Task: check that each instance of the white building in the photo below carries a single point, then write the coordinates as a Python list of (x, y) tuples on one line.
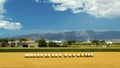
[(56, 41)]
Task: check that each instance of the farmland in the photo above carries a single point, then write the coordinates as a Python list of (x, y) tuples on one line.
[(104, 57), (100, 60)]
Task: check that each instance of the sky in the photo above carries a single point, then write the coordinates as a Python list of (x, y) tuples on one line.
[(21, 17)]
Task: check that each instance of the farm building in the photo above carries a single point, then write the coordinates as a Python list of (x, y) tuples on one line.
[(58, 42), (22, 44)]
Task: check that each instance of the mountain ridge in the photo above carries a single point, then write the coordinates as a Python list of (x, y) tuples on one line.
[(74, 35)]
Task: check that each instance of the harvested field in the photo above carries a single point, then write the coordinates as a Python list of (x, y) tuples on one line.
[(100, 60)]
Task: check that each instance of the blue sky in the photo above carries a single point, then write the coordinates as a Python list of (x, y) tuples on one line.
[(43, 16)]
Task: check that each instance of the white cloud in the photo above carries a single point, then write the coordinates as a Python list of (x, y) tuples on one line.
[(4, 23), (36, 1), (2, 10), (10, 25), (97, 8), (59, 8)]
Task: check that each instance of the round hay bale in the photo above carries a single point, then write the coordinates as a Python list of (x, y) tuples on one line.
[(53, 55), (41, 55), (25, 55), (78, 55), (49, 55), (56, 55), (86, 55), (65, 55), (28, 55), (45, 55), (69, 55), (82, 55), (31, 55), (91, 55), (38, 55), (60, 55), (34, 55), (73, 55)]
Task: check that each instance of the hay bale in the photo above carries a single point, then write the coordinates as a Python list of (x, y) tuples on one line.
[(56, 55), (49, 55), (30, 55), (45, 55), (82, 55), (41, 55), (60, 55), (34, 55), (86, 55), (78, 55), (26, 55), (37, 55), (65, 55), (53, 55), (70, 55), (91, 55), (73, 55)]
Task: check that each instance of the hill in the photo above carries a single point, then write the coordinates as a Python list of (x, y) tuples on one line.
[(74, 35)]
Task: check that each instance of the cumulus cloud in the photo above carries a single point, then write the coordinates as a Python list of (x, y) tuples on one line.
[(97, 8), (3, 22), (10, 25)]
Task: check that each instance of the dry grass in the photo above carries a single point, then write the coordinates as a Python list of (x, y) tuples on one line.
[(100, 60)]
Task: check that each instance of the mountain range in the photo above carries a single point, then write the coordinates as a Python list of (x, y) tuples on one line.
[(74, 35)]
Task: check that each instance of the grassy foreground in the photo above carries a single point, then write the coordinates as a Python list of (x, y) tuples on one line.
[(68, 49)]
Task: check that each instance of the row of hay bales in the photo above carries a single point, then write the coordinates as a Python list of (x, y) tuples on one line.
[(58, 55)]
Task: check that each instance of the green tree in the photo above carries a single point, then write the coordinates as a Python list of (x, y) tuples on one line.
[(97, 43), (71, 42), (42, 43), (65, 44), (53, 44), (37, 41), (4, 42)]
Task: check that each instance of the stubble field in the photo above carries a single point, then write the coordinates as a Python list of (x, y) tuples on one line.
[(100, 60)]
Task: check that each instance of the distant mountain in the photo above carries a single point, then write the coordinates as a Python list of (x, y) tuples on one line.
[(74, 35)]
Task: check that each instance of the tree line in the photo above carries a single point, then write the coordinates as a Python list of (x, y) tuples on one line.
[(43, 43)]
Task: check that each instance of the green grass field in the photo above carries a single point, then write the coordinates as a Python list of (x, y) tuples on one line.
[(73, 48)]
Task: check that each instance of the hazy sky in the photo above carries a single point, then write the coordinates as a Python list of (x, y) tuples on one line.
[(41, 16)]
